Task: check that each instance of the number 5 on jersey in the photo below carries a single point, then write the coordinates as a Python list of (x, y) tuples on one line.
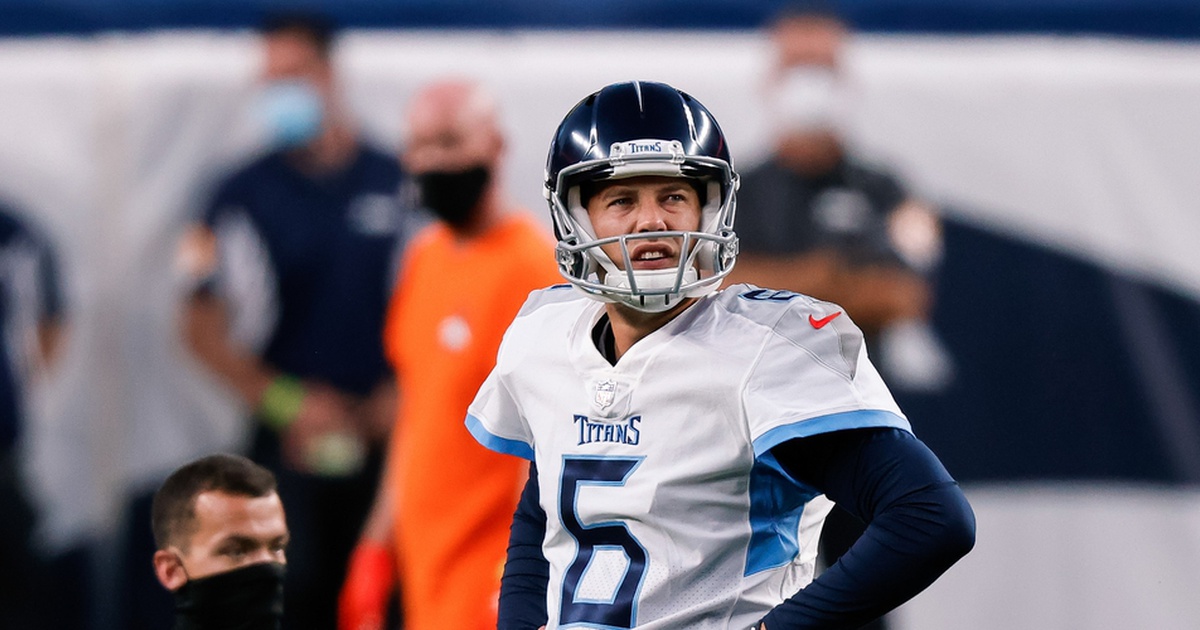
[(587, 595)]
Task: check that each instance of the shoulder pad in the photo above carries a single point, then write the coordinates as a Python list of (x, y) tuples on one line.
[(555, 294), (821, 328)]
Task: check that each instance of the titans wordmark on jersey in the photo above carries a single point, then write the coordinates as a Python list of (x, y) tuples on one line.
[(665, 507)]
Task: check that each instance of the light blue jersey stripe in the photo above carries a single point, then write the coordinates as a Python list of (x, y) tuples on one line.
[(777, 501), (497, 443), (776, 504), (860, 419)]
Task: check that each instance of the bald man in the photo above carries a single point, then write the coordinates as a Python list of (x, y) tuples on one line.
[(446, 502)]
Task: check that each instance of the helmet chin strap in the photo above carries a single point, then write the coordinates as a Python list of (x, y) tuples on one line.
[(649, 279)]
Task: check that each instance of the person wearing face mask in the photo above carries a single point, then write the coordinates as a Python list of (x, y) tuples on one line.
[(815, 219), (221, 539), (291, 267), (445, 504)]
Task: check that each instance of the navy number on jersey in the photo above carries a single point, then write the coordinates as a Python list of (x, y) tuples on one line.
[(588, 598), (768, 295)]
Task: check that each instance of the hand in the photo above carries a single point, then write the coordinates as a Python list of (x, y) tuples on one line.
[(323, 411), (370, 582)]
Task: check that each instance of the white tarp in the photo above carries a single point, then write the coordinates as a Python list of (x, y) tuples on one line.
[(1071, 557)]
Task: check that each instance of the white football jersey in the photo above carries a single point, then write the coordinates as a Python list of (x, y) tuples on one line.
[(665, 507)]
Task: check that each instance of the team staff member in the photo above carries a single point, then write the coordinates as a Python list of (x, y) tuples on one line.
[(463, 280), (814, 218), (221, 539), (30, 329), (687, 441), (297, 252)]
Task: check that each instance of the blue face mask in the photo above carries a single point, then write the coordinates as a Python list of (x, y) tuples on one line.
[(293, 112)]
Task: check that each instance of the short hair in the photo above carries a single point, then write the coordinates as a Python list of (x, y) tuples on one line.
[(318, 29), (173, 513)]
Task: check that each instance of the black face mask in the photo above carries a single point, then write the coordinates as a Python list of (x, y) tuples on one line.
[(454, 195), (249, 598)]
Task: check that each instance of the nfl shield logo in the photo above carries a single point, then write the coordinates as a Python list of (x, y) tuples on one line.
[(606, 391)]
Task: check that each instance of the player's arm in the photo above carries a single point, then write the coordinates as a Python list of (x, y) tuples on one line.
[(526, 572), (206, 329), (919, 524)]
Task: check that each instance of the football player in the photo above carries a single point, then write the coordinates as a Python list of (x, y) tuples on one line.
[(687, 441)]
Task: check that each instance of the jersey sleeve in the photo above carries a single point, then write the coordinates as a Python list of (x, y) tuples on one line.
[(494, 420), (494, 417), (812, 376)]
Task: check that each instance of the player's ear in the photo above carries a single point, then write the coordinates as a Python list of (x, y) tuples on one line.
[(168, 568)]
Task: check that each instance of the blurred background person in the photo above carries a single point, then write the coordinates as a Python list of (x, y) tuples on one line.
[(815, 219), (294, 260), (222, 539), (446, 502), (31, 321)]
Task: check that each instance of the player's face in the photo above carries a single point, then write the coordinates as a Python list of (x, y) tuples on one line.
[(643, 205), (230, 532)]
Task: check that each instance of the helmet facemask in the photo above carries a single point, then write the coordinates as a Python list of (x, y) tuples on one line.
[(705, 255)]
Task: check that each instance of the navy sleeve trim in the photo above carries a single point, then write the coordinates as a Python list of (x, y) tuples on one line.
[(526, 572)]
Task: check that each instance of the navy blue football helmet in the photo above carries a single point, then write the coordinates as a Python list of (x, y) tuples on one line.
[(631, 130)]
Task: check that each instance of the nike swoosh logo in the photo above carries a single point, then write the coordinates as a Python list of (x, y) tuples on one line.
[(820, 323)]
